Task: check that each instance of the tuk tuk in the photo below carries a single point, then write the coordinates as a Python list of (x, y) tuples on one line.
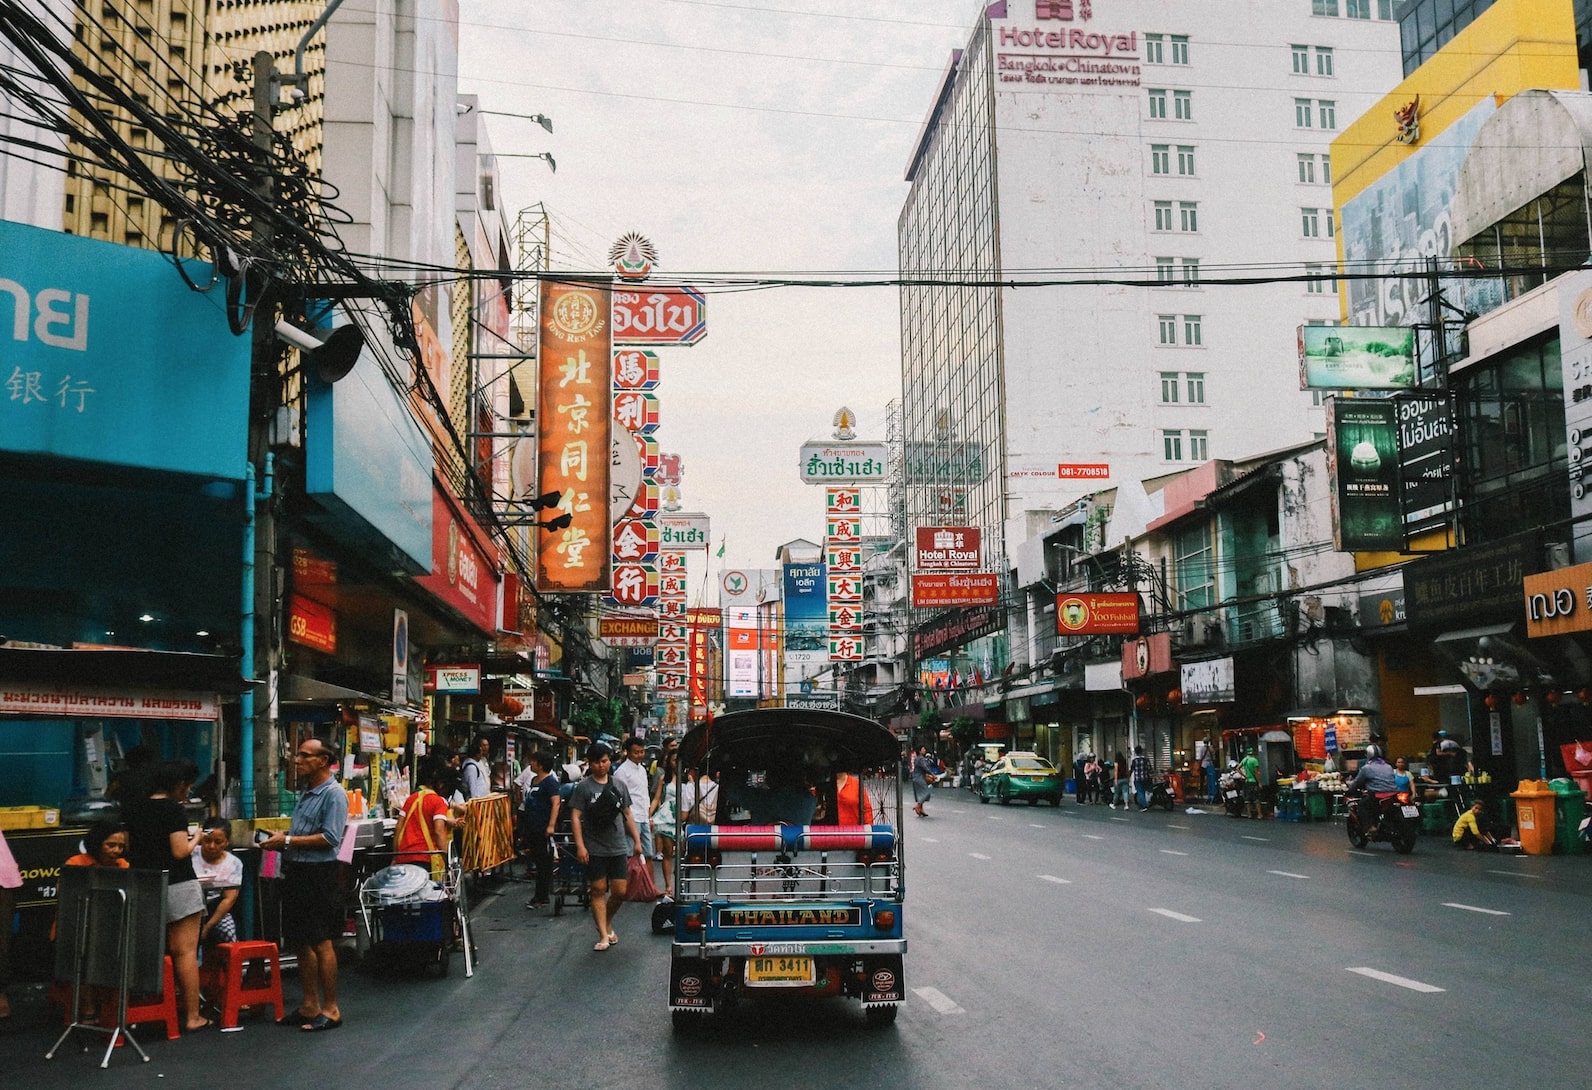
[(791, 882)]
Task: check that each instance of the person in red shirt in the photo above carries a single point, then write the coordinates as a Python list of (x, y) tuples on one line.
[(852, 805), (427, 823)]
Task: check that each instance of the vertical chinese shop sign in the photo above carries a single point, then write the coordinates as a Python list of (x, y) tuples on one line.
[(574, 419)]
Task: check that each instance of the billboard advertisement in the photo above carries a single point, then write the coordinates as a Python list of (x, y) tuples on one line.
[(948, 548), (1426, 461), (843, 463), (110, 358), (1110, 614), (1355, 357), (1362, 462), (575, 425), (740, 651), (806, 608), (972, 589)]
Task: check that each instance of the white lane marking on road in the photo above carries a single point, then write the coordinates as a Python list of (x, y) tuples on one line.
[(1169, 851), (1053, 878), (994, 817), (1262, 839), (1035, 825), (1091, 836), (1180, 826), (928, 840), (1119, 819), (1287, 874), (1178, 916), (939, 1000), (1353, 852), (1515, 873), (958, 811), (1474, 908), (978, 855), (1401, 981)]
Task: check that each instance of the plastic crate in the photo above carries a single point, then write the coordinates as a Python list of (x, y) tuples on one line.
[(411, 923)]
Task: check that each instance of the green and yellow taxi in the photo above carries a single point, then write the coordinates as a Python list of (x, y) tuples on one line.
[(1026, 776)]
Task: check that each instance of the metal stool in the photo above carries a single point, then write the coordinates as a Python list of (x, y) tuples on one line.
[(227, 970)]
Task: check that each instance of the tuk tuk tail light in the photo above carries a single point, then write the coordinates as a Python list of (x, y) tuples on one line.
[(884, 920), (693, 921)]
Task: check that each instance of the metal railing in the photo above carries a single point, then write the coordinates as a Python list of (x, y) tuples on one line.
[(788, 881)]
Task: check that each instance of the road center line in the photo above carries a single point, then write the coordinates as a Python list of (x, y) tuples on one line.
[(1515, 873), (1178, 916), (1474, 908), (1353, 852), (1401, 981), (1169, 851), (1053, 878), (939, 1000), (1180, 826), (1262, 839), (1119, 819), (994, 817), (1091, 836), (928, 840), (978, 855), (1035, 825), (1287, 874)]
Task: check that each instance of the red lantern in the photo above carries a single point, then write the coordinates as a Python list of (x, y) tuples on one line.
[(1491, 700), (1175, 696), (1552, 696), (1519, 699), (1142, 700)]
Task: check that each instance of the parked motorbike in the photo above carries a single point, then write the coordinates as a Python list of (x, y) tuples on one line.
[(1162, 794), (1392, 818), (1231, 784)]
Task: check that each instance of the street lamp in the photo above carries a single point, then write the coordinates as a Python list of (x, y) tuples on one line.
[(530, 155)]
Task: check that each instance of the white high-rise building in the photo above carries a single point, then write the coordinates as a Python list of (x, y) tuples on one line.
[(1110, 145)]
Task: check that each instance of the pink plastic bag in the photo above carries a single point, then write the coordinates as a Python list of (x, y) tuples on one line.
[(641, 887)]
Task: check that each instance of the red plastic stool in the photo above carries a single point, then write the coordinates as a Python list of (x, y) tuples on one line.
[(146, 1009), (225, 971)]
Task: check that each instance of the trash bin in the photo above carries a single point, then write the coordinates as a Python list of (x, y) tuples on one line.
[(1569, 808), (1316, 807), (1534, 810)]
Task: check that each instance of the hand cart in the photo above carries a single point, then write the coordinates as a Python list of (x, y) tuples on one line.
[(416, 920), (569, 875)]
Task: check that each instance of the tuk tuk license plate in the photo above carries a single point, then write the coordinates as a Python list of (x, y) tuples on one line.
[(1232, 794), (779, 972), (1412, 811)]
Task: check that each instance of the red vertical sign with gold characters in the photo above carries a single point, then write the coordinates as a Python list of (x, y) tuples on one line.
[(574, 421)]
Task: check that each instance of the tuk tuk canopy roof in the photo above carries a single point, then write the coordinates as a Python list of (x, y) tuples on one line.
[(780, 737)]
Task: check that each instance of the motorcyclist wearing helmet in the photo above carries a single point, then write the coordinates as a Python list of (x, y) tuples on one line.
[(1376, 779)]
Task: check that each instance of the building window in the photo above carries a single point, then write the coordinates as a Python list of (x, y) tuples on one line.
[(1191, 272), (1329, 113), (1321, 282), (1188, 215), (1323, 60), (1357, 9), (1301, 59), (1196, 387), (1307, 168), (1180, 49), (1169, 387), (1152, 48), (1197, 446), (1326, 169), (1172, 445), (1384, 9), (1191, 330), (1160, 158), (1302, 112), (1168, 324), (1323, 7), (1183, 105), (1185, 159), (1310, 221), (1163, 215), (1165, 271), (1157, 103), (1194, 563)]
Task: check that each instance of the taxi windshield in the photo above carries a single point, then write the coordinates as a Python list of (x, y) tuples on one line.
[(1031, 764)]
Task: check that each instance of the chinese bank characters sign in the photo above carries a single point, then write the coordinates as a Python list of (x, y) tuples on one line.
[(971, 589), (574, 422), (105, 356), (948, 548), (1111, 614)]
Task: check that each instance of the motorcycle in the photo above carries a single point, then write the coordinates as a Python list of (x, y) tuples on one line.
[(1231, 784), (1392, 818), (1162, 794)]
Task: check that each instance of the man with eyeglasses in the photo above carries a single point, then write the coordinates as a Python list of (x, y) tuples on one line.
[(312, 904)]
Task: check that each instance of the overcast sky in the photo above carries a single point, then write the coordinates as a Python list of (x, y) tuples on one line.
[(738, 137)]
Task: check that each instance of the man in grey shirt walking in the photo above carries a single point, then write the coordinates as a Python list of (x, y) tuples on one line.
[(605, 831)]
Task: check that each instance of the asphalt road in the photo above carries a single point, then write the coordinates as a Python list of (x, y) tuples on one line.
[(1071, 947)]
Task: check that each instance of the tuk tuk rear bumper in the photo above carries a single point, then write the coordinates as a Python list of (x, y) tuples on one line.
[(825, 948)]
